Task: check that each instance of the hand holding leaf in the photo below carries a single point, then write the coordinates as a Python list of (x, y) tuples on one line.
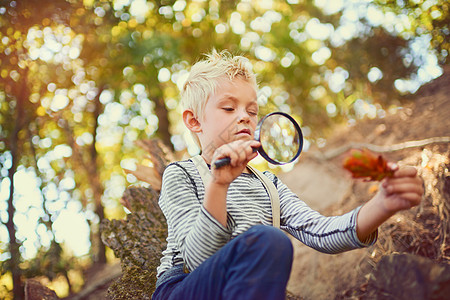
[(366, 164)]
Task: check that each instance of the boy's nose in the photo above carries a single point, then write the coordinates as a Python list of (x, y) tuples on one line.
[(243, 117)]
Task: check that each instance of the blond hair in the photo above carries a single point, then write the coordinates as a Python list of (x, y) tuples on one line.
[(205, 77)]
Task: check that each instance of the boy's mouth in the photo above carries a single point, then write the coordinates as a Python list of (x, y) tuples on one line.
[(244, 131)]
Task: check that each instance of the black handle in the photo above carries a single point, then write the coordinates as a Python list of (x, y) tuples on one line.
[(222, 162), (226, 160)]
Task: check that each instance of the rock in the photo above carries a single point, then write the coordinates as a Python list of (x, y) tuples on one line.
[(409, 276), (135, 283), (138, 241), (34, 290)]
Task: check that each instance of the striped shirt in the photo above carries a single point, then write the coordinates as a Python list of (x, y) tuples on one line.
[(194, 234)]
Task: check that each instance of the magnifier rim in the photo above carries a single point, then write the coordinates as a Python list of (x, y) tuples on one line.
[(258, 137)]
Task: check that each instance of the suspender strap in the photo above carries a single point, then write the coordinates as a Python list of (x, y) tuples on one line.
[(273, 194), (203, 169), (206, 176)]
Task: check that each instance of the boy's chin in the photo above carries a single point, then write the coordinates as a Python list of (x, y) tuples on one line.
[(243, 137)]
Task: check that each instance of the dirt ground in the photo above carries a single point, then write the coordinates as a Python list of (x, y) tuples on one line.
[(326, 187)]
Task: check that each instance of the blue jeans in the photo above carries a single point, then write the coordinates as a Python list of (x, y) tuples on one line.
[(254, 265)]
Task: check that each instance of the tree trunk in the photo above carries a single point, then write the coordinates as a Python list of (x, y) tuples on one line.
[(163, 122), (13, 245), (97, 186), (16, 272)]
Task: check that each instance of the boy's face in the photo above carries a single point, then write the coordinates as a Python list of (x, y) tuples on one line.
[(230, 114)]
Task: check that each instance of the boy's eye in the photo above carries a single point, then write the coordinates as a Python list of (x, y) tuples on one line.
[(252, 113), (228, 108)]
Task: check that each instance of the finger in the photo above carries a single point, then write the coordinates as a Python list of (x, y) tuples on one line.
[(242, 149), (239, 151), (254, 154), (408, 171), (412, 198), (403, 180), (246, 151), (252, 146), (223, 152), (251, 154), (403, 175), (404, 188), (255, 144), (234, 156)]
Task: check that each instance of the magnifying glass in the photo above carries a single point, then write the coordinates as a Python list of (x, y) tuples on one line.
[(281, 139)]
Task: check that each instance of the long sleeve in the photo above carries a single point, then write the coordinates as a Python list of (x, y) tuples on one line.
[(326, 234)]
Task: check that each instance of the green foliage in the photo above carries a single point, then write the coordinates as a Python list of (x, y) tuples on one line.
[(427, 18)]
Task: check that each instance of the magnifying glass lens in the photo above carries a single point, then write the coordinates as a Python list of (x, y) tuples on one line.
[(280, 139)]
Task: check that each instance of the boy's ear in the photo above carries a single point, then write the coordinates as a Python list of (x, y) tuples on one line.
[(191, 122)]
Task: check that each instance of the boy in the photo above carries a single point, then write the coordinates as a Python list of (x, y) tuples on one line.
[(217, 247)]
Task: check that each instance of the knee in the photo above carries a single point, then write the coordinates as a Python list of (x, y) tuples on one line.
[(272, 240)]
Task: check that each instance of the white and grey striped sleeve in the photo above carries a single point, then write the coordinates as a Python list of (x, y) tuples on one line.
[(197, 234), (326, 234)]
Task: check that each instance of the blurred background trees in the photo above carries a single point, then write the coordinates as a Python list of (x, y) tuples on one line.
[(81, 81)]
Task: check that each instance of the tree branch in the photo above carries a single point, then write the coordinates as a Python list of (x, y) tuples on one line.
[(382, 149), (99, 284)]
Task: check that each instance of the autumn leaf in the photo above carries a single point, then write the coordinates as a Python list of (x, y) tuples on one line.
[(363, 163)]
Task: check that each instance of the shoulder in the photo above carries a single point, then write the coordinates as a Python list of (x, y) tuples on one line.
[(272, 177), (180, 167), (269, 174), (177, 164), (180, 176), (179, 170)]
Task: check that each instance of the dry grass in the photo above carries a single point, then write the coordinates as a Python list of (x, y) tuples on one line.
[(423, 230)]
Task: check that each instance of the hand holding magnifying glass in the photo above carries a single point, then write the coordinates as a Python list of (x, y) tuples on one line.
[(281, 139)]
